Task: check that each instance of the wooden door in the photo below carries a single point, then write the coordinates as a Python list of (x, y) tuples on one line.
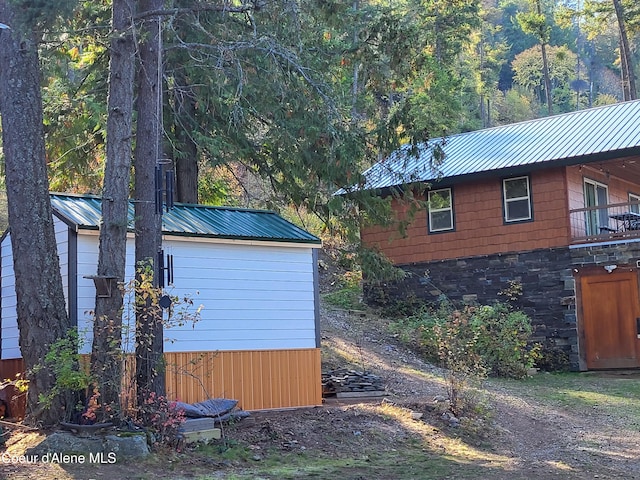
[(610, 309)]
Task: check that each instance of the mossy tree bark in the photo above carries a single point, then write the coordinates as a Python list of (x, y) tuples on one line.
[(41, 313)]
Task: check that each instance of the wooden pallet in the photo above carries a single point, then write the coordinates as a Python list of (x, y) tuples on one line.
[(199, 429)]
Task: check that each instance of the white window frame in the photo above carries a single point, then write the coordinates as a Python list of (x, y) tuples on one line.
[(634, 198), (506, 201), (440, 210), (596, 219)]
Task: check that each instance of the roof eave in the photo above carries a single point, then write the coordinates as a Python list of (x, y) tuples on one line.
[(514, 170), (314, 241)]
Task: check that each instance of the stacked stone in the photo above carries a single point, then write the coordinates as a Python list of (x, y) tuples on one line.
[(351, 383)]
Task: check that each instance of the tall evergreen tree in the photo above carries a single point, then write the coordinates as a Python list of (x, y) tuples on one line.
[(626, 58), (535, 23), (148, 235), (41, 313), (106, 357)]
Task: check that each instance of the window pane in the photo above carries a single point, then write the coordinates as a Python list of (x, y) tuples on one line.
[(516, 188), (441, 220), (603, 195), (440, 210), (595, 194), (440, 199), (589, 195), (518, 210)]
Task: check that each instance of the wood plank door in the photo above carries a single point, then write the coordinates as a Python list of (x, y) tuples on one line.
[(610, 309)]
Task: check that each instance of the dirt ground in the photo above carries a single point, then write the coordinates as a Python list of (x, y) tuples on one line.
[(525, 436), (522, 437)]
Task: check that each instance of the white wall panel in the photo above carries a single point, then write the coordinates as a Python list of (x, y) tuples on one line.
[(8, 311), (61, 230), (87, 253), (253, 297)]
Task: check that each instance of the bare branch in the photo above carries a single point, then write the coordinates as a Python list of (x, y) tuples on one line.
[(224, 7)]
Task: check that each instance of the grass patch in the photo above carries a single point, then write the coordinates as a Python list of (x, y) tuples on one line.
[(348, 295), (619, 395), (405, 462)]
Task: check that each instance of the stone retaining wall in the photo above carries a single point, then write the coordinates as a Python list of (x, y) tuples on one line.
[(548, 293), (548, 285)]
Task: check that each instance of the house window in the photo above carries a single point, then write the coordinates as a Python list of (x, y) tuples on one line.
[(596, 195), (517, 199), (440, 210), (634, 207)]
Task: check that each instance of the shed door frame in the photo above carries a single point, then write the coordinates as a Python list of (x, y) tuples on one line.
[(593, 271)]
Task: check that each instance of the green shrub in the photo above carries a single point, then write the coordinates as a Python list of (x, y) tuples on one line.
[(409, 306), (72, 380), (410, 330), (498, 335), (459, 354), (552, 359), (502, 340), (377, 268)]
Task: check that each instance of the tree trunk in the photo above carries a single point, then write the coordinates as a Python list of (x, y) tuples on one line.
[(42, 316), (626, 59), (547, 80), (148, 152), (106, 358), (186, 163), (544, 38)]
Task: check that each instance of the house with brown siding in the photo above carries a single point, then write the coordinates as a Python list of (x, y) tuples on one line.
[(552, 203)]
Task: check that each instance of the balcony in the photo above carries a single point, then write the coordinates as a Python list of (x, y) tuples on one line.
[(616, 221)]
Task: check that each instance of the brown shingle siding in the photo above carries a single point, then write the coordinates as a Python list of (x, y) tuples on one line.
[(479, 224)]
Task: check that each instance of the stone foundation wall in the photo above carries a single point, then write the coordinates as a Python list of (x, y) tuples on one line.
[(548, 290), (548, 286), (621, 254)]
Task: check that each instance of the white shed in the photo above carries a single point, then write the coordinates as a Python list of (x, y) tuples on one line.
[(253, 272)]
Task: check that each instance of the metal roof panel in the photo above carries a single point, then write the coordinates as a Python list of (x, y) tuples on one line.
[(192, 220), (576, 135)]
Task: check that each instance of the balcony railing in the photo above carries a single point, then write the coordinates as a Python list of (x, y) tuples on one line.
[(605, 222)]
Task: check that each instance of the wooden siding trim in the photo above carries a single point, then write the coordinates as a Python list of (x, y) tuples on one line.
[(16, 400), (258, 379), (567, 201)]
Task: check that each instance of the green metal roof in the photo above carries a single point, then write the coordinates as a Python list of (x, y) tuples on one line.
[(595, 134), (85, 212)]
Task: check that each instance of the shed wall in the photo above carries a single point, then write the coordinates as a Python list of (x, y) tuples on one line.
[(9, 346), (256, 340), (253, 297), (258, 379)]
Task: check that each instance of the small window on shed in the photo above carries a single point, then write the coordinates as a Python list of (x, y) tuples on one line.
[(440, 210), (517, 199)]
